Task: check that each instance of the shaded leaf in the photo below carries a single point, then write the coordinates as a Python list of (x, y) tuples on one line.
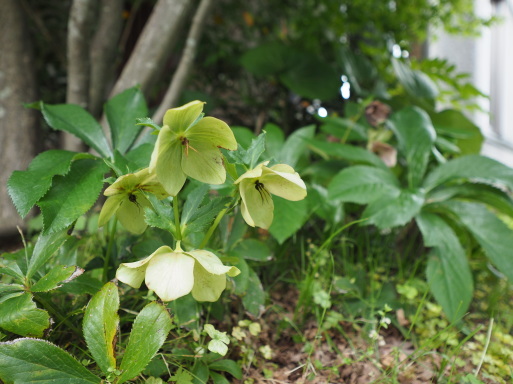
[(21, 316), (347, 152), (46, 246), (289, 217), (56, 277)]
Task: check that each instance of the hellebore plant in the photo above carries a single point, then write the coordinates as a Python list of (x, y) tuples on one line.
[(126, 199), (257, 185), (188, 145), (173, 274)]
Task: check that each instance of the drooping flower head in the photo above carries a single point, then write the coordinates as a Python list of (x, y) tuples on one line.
[(126, 199), (188, 145), (173, 274), (257, 185)]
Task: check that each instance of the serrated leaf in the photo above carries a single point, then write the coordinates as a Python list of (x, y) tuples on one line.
[(254, 151), (474, 168), (46, 246), (21, 316), (204, 216), (41, 362), (389, 212), (147, 122), (8, 291), (56, 277), (347, 152), (77, 121), (193, 202), (72, 195), (150, 330), (289, 217), (448, 272), (182, 377), (495, 237), (413, 128), (27, 187), (122, 112), (229, 366), (363, 184), (161, 216), (101, 323), (254, 299)]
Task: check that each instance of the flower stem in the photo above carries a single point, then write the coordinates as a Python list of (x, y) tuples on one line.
[(216, 222), (178, 231), (108, 254)]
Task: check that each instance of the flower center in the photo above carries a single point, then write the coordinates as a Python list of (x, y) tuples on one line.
[(185, 143), (264, 193)]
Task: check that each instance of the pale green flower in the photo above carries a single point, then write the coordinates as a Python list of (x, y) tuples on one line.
[(126, 199), (188, 145), (257, 185), (173, 274)]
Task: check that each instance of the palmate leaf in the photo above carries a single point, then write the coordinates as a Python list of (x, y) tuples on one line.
[(448, 272), (72, 195), (363, 184), (77, 121), (27, 187), (38, 361), (473, 168), (122, 112), (493, 235), (416, 135), (101, 323)]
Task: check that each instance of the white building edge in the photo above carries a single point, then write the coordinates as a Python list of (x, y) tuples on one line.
[(489, 61)]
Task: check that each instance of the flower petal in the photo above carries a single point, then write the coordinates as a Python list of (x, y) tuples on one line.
[(207, 286), (166, 161), (204, 162), (252, 173), (170, 275), (212, 263), (213, 131), (131, 213), (258, 205), (109, 208), (181, 118), (133, 273), (280, 182)]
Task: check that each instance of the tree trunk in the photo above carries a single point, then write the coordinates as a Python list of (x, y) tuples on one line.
[(17, 124), (154, 45)]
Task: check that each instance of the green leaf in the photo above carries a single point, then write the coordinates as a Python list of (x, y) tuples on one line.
[(274, 139), (77, 121), (100, 325), (289, 217), (363, 184), (182, 377), (344, 128), (495, 237), (186, 311), (27, 187), (84, 284), (312, 77), (21, 316), (254, 151), (122, 111), (200, 372), (474, 168), (454, 124), (38, 361), (150, 330), (254, 299), (72, 195), (448, 272), (253, 249), (295, 146), (147, 122), (229, 366), (388, 212), (194, 200), (218, 378), (46, 246), (416, 83), (347, 152), (269, 58), (10, 290), (15, 264), (416, 135), (203, 217), (161, 216), (56, 277)]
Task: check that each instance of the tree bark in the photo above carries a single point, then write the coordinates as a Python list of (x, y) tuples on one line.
[(103, 53), (79, 41), (186, 62), (153, 46), (17, 124)]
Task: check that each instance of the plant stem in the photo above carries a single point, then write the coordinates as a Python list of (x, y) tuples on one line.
[(108, 254), (212, 228), (178, 230), (485, 349)]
